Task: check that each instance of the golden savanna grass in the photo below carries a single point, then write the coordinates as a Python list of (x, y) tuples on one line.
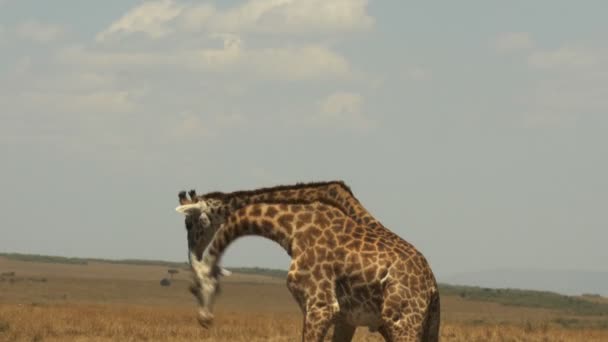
[(76, 322), (106, 302)]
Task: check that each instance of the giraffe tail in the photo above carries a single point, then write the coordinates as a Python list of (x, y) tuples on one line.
[(431, 324)]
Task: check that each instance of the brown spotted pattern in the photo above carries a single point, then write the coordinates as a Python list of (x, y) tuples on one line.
[(346, 267)]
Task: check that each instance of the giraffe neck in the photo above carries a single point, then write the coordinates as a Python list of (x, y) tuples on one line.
[(335, 192), (278, 222)]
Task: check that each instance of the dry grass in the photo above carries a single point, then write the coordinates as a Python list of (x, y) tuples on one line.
[(75, 322), (104, 302), (136, 323)]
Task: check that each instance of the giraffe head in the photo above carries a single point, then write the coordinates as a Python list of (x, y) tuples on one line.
[(202, 220)]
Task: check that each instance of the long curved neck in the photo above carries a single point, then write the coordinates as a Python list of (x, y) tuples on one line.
[(335, 192), (272, 221)]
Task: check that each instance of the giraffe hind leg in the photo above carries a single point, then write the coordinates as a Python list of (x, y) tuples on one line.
[(401, 333), (400, 323), (431, 324)]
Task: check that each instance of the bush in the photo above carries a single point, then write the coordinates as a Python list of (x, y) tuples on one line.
[(527, 298)]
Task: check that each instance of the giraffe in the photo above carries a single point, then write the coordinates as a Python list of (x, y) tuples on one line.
[(376, 278)]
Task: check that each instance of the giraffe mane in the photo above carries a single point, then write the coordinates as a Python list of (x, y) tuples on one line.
[(305, 202), (297, 186)]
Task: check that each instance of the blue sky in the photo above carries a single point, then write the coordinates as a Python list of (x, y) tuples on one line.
[(476, 131)]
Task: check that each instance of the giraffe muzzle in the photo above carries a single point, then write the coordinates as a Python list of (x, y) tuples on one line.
[(205, 318)]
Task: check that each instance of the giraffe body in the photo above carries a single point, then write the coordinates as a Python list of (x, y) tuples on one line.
[(343, 271)]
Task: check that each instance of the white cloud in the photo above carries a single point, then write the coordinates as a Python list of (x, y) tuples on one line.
[(563, 57), (343, 109), (39, 32), (151, 18), (283, 63), (513, 41), (198, 26), (298, 63), (98, 102), (58, 89), (159, 18)]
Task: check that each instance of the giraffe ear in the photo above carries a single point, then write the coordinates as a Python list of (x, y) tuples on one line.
[(188, 209)]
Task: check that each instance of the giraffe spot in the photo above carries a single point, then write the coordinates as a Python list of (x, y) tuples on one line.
[(338, 267), (343, 239), (271, 212), (369, 274), (340, 253), (325, 285), (264, 227), (322, 208), (255, 211), (368, 247), (305, 217), (285, 222), (322, 241), (316, 272), (350, 224), (300, 224), (328, 270), (331, 242), (321, 221), (354, 245), (321, 252), (302, 278), (333, 192), (314, 231), (348, 229)]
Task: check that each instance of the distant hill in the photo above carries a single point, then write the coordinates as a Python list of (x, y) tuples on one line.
[(564, 282), (84, 261), (493, 290)]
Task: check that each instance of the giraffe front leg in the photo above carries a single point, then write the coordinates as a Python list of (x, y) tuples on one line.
[(317, 320)]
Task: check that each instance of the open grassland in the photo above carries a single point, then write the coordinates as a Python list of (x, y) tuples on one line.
[(97, 301), (77, 322)]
